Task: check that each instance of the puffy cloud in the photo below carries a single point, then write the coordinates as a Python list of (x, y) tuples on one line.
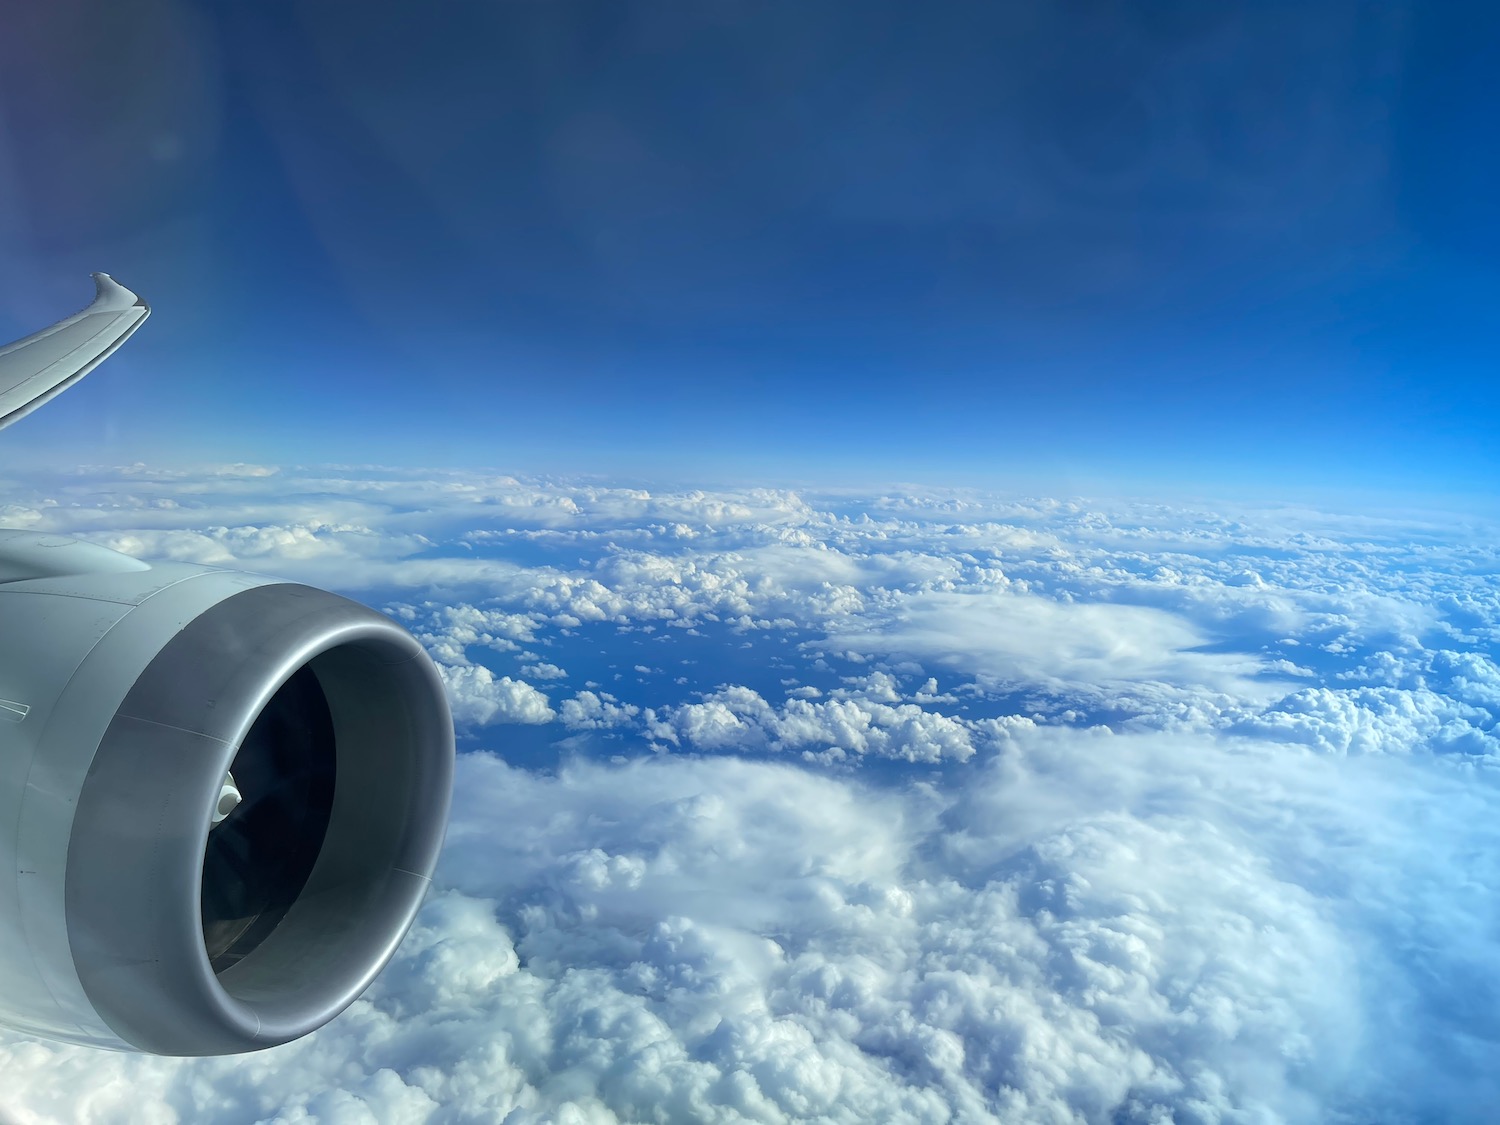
[(450, 631), (596, 711), (1096, 928), (479, 698), (1166, 813), (851, 725), (297, 543), (18, 517), (1375, 720)]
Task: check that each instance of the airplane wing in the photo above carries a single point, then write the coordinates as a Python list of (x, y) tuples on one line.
[(37, 369)]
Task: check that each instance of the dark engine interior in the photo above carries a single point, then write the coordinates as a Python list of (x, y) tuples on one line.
[(258, 860)]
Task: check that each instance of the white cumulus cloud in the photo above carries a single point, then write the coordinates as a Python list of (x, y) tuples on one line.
[(479, 697), (951, 807)]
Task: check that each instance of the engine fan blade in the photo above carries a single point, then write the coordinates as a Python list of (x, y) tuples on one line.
[(258, 859)]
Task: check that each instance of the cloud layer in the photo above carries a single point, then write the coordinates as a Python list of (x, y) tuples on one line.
[(888, 807)]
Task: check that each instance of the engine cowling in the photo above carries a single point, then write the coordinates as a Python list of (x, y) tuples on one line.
[(129, 694)]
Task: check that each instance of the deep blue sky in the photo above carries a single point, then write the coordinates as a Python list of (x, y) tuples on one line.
[(1079, 241)]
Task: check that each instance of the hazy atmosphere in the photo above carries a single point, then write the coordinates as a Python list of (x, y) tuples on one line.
[(960, 541)]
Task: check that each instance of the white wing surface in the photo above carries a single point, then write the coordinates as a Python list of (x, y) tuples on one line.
[(37, 369)]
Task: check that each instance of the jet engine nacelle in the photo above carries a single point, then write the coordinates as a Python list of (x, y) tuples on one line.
[(129, 695)]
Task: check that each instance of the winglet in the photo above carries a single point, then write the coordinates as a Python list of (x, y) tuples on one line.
[(37, 369), (110, 295)]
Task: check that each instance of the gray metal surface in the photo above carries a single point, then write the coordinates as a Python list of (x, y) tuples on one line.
[(133, 876), (133, 686), (26, 556), (67, 660), (37, 369)]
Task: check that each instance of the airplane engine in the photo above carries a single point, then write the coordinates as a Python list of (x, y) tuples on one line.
[(221, 799)]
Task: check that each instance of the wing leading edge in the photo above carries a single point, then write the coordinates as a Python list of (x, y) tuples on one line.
[(37, 369)]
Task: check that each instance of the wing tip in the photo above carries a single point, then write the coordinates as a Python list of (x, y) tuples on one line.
[(111, 295)]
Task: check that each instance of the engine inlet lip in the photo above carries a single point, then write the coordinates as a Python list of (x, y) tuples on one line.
[(135, 868)]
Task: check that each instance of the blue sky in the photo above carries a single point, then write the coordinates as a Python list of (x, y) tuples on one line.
[(1063, 244)]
